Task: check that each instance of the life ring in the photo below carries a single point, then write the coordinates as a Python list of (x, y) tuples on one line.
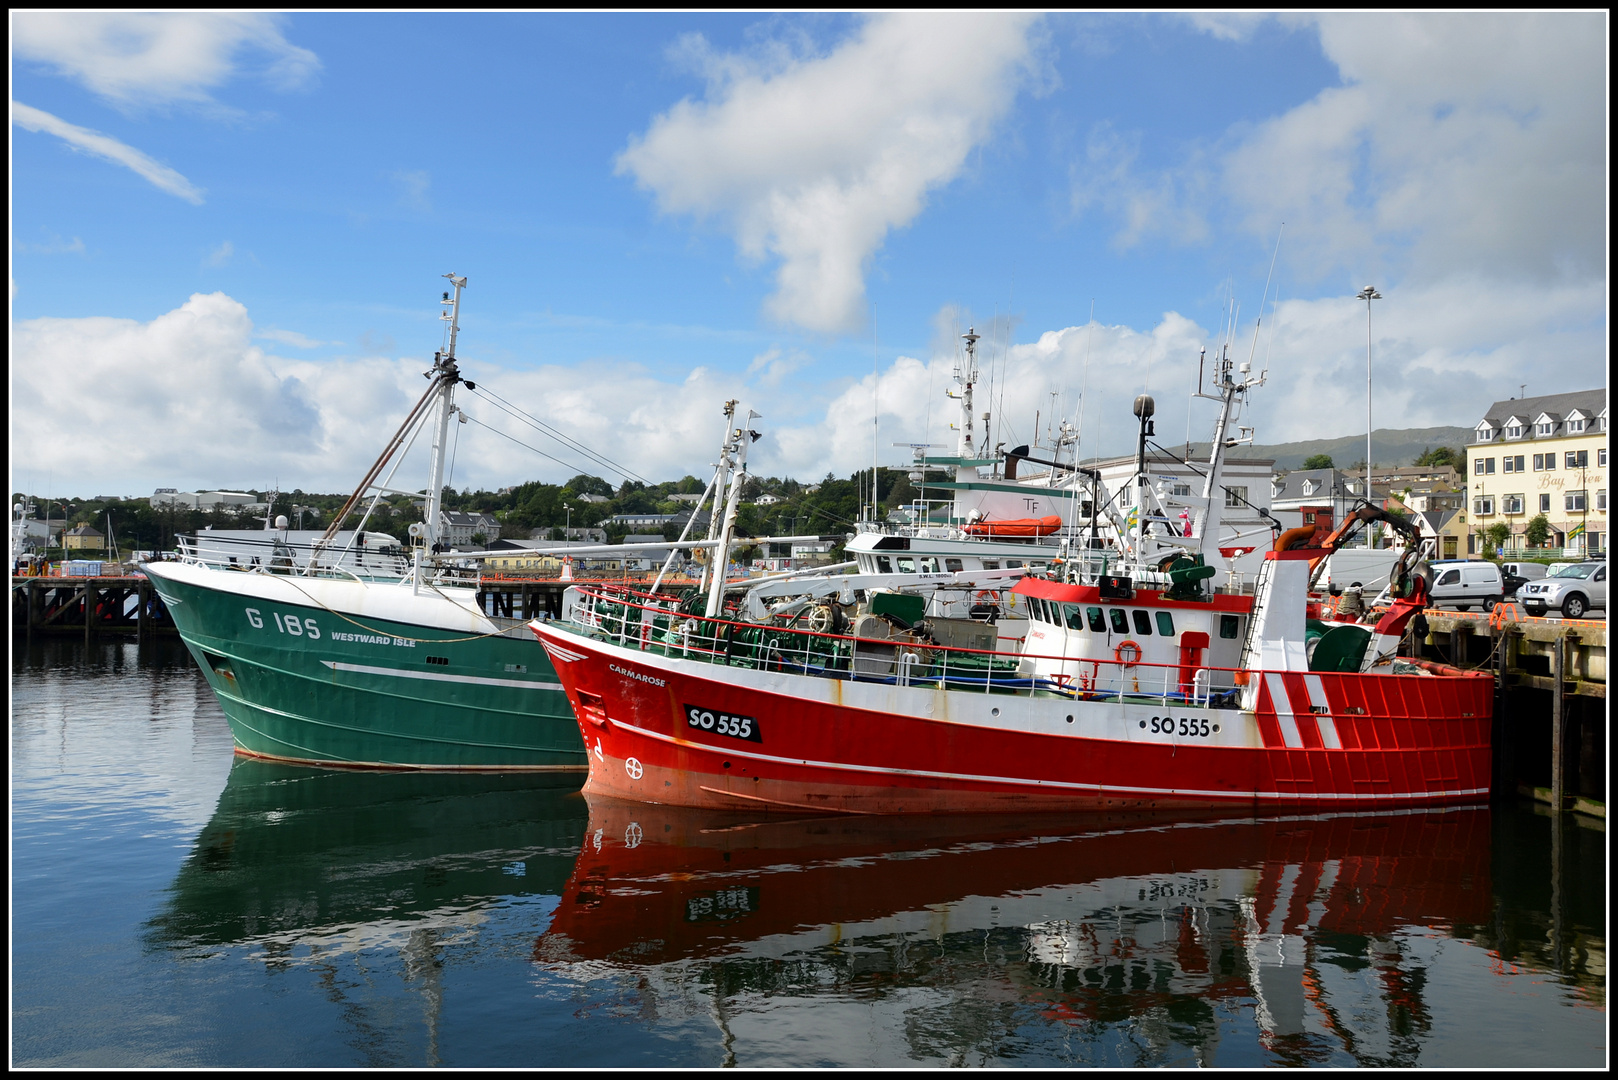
[(986, 596), (1118, 653)]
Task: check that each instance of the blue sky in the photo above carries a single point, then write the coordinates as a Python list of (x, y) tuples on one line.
[(228, 230)]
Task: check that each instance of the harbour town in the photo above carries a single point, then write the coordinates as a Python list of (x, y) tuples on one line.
[(813, 540)]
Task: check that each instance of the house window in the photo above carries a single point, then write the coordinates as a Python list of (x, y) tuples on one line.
[(1235, 496), (1578, 459), (1544, 504), (1511, 504), (1601, 499), (1514, 431), (1546, 428), (1483, 466), (1573, 500), (1601, 458), (1539, 462), (1575, 426), (1514, 464), (1485, 434), (1483, 504), (1181, 489)]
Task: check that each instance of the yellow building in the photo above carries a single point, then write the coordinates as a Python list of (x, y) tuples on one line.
[(1542, 455), (83, 538)]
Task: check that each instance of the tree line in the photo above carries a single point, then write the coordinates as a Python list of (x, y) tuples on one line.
[(829, 507)]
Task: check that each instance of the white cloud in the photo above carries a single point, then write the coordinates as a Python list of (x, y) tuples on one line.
[(288, 337), (813, 160), (413, 188), (1458, 143), (221, 255), (54, 246), (155, 59), (108, 148), (187, 399)]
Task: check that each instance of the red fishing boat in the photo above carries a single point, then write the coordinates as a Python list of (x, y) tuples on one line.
[(1149, 686)]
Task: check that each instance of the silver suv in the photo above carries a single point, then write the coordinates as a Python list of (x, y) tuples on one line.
[(1572, 590)]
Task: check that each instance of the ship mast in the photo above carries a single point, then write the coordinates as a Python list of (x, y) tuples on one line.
[(446, 374), (967, 379), (1227, 389), (734, 455)]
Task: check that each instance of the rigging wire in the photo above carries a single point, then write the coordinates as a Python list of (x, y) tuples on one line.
[(545, 429), (519, 442)]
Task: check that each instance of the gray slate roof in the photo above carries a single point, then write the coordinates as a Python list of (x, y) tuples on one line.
[(1589, 402)]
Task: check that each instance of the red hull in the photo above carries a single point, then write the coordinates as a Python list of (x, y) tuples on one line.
[(654, 727)]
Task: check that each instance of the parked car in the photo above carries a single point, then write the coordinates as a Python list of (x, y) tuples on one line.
[(1462, 583), (1516, 573), (1572, 591)]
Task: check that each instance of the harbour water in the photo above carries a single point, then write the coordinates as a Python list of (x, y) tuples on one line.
[(176, 906)]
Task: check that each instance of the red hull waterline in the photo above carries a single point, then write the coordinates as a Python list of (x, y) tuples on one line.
[(663, 729)]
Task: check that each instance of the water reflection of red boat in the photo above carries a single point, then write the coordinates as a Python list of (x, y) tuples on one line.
[(1107, 916)]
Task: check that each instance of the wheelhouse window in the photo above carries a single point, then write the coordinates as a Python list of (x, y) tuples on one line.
[(953, 565), (1074, 615), (1165, 623), (884, 565), (1143, 622), (991, 564), (1120, 621), (1098, 622), (1229, 626), (906, 564)]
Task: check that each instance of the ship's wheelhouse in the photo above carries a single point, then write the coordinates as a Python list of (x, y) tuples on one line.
[(1071, 624)]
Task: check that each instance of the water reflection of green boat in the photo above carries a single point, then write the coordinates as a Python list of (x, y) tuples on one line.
[(296, 855)]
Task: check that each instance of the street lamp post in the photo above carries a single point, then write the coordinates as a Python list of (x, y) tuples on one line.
[(568, 528), (1368, 294)]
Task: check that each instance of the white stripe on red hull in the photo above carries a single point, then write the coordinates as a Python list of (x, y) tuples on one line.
[(668, 730)]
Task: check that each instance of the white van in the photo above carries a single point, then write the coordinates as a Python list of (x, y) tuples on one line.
[(1528, 571), (1462, 583)]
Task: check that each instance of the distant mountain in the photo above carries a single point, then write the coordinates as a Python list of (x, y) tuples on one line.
[(1388, 448)]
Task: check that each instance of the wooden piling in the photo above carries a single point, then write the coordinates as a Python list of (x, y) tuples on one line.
[(1559, 740)]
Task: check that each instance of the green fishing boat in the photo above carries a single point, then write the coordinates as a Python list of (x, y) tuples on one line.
[(314, 662)]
